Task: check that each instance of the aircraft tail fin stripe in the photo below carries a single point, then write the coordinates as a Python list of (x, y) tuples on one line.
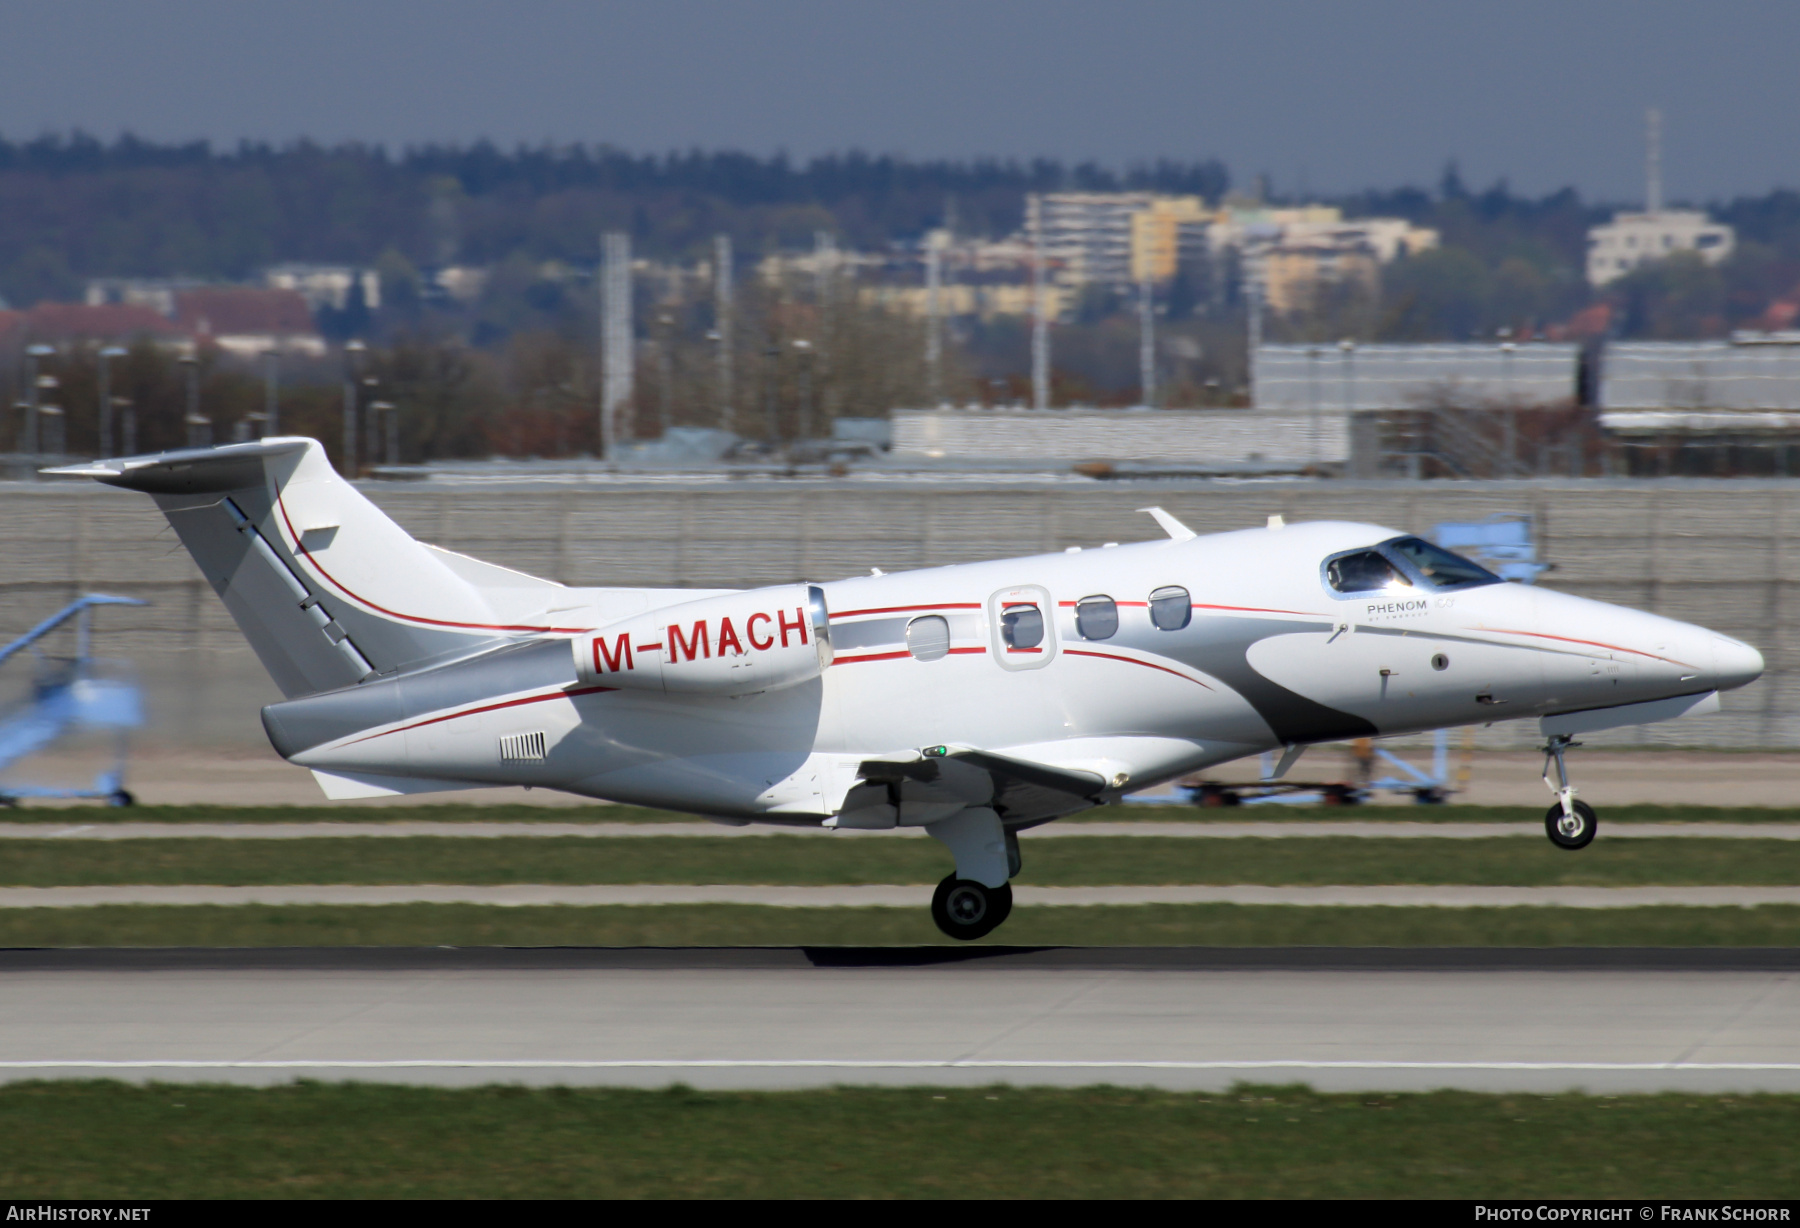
[(298, 546)]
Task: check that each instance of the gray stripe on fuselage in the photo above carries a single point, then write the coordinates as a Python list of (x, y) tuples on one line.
[(1292, 717)]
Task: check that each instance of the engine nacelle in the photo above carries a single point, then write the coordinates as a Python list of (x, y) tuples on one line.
[(737, 644)]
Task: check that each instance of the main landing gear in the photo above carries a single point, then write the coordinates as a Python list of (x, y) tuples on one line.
[(966, 909), (1570, 824), (972, 902)]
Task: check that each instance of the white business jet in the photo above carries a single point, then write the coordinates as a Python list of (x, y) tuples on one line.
[(975, 701)]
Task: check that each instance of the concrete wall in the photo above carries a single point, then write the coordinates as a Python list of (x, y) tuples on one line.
[(1720, 554), (1215, 436)]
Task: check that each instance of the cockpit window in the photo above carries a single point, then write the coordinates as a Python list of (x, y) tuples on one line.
[(1364, 572), (1438, 567)]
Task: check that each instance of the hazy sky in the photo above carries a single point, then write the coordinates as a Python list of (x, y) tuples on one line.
[(1332, 96)]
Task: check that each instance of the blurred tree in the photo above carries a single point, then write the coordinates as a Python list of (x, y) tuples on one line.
[(1678, 296), (1442, 292)]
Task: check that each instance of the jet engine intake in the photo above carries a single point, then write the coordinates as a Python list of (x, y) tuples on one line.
[(738, 644)]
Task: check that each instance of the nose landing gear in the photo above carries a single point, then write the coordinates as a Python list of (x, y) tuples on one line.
[(1570, 824)]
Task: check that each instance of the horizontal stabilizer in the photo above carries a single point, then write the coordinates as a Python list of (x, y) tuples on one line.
[(191, 471)]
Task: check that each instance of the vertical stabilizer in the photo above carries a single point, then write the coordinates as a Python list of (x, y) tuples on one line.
[(327, 589)]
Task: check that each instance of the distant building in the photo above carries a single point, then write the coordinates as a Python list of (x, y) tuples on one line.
[(1293, 274), (156, 293), (1169, 234), (65, 325), (1750, 372), (248, 320), (983, 299), (1291, 254), (1169, 436), (1632, 240), (325, 285), (1334, 380), (1088, 235)]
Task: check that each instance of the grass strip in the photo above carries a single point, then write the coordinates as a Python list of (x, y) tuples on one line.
[(65, 816), (733, 925), (87, 1140), (811, 861)]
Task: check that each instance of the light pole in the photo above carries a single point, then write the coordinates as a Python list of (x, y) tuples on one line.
[(32, 354), (665, 371), (771, 372), (372, 417), (107, 354), (53, 420), (1511, 422), (805, 379), (385, 416), (271, 392), (353, 352), (199, 429), (1147, 344), (127, 425), (1347, 348), (1312, 372)]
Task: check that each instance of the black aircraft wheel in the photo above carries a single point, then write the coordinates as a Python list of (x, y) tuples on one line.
[(121, 798), (967, 910), (1571, 832)]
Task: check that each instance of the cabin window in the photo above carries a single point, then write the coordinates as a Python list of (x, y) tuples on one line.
[(1097, 618), (1438, 567), (928, 638), (1022, 627), (1363, 572), (1171, 608)]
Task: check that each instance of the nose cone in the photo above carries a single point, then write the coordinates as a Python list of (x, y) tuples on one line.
[(1735, 663)]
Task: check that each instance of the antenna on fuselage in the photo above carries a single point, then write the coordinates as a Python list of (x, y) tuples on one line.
[(1173, 527)]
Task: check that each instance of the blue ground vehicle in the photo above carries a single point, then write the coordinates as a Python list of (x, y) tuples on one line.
[(68, 695)]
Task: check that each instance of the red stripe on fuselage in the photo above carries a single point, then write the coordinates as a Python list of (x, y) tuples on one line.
[(1107, 656), (903, 609), (510, 703), (1544, 635)]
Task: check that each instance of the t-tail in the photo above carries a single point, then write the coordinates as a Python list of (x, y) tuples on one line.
[(328, 590)]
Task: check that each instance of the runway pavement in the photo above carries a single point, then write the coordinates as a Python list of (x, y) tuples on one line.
[(1617, 1021), (476, 830)]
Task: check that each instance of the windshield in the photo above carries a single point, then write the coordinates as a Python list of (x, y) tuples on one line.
[(1364, 572), (1438, 567)]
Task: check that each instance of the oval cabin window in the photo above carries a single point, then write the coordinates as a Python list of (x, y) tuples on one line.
[(928, 638), (1171, 608), (1096, 618), (1022, 627)]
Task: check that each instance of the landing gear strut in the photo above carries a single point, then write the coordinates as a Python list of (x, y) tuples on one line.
[(1569, 824), (974, 900)]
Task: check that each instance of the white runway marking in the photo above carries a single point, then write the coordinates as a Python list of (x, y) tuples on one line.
[(1297, 830), (522, 895), (823, 1063)]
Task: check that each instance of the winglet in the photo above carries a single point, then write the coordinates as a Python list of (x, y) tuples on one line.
[(1173, 527)]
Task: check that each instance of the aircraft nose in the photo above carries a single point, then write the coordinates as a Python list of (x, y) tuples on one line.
[(1735, 663)]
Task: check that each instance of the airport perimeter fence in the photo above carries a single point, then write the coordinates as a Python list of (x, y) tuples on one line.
[(1726, 557)]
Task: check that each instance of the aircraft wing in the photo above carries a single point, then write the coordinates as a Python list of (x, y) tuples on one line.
[(1020, 791)]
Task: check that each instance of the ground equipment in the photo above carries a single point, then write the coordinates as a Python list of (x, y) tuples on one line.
[(68, 695)]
